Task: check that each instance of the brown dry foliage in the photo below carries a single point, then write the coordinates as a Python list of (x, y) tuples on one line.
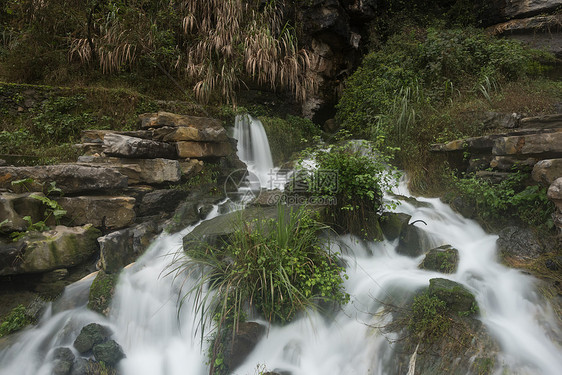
[(219, 42)]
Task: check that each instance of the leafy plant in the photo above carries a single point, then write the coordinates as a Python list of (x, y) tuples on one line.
[(508, 199), (355, 176), (15, 321), (429, 317), (279, 267)]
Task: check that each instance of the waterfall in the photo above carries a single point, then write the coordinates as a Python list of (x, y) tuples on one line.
[(253, 147), (160, 339)]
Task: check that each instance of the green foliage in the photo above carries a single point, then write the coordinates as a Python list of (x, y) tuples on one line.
[(101, 292), (15, 321), (52, 209), (419, 68), (429, 317), (507, 200), (14, 142), (288, 136), (355, 176), (278, 266), (59, 120)]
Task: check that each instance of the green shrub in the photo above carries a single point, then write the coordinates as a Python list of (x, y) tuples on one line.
[(418, 68), (15, 321), (352, 177), (429, 317), (278, 266), (288, 136), (510, 199)]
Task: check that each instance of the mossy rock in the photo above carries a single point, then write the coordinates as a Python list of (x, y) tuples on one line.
[(108, 352), (458, 299), (443, 259), (91, 335), (392, 224), (101, 292)]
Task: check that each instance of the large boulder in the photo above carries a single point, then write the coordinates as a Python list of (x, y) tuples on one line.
[(13, 207), (122, 247), (210, 132), (412, 241), (519, 243), (138, 148), (101, 211), (102, 291), (457, 298), (70, 178), (61, 247), (392, 224), (544, 144), (242, 343), (140, 171), (162, 201), (525, 8), (109, 352), (547, 171), (443, 259), (91, 335), (63, 358), (203, 149)]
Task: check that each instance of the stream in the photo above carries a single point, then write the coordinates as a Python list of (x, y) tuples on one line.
[(160, 339)]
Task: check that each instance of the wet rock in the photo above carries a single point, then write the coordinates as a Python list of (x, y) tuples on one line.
[(456, 296), (11, 257), (118, 249), (63, 358), (242, 344), (61, 247), (392, 224), (161, 201), (109, 352), (412, 241), (70, 178), (443, 259), (463, 207), (101, 211), (186, 214), (90, 335), (101, 292), (55, 275), (203, 149), (547, 171), (520, 243), (81, 366), (138, 148)]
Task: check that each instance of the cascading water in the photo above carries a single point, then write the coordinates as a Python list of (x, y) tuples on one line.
[(253, 147), (160, 341)]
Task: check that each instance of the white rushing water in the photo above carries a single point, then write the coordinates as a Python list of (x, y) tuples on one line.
[(160, 341), (253, 148)]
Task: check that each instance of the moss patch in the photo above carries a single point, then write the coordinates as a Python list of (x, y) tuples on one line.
[(101, 292)]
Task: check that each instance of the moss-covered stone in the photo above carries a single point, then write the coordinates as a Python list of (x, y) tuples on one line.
[(108, 352), (443, 259), (393, 223), (101, 292), (90, 335), (458, 299)]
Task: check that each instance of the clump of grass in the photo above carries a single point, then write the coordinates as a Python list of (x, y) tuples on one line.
[(277, 266)]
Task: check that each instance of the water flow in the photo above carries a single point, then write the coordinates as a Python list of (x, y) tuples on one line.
[(160, 339), (253, 147)]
